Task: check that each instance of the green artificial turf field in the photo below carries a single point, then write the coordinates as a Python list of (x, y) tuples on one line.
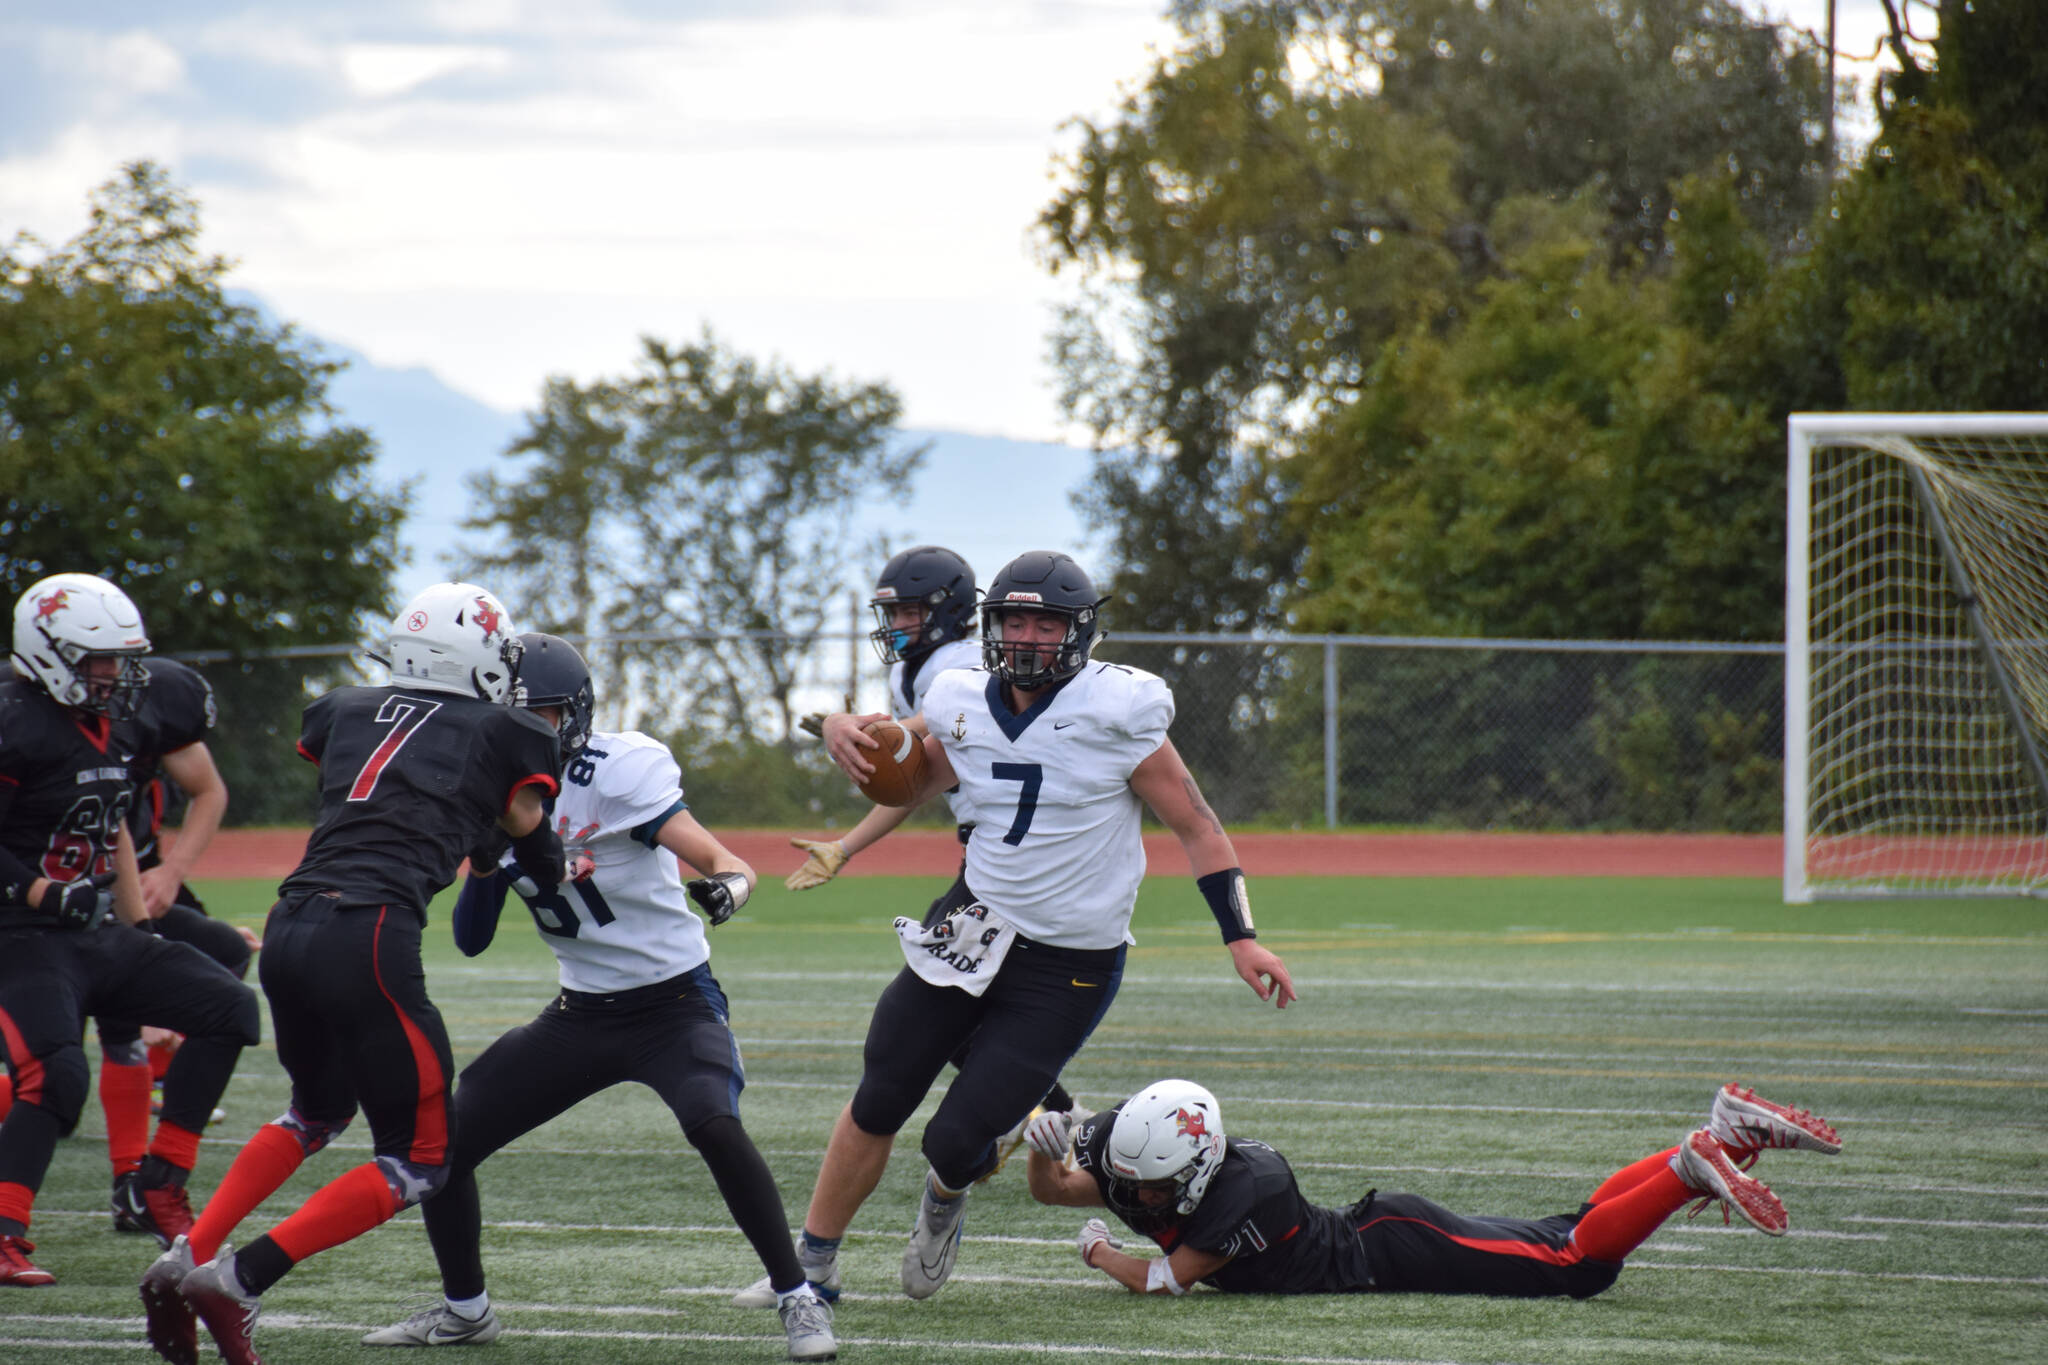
[(1498, 1045)]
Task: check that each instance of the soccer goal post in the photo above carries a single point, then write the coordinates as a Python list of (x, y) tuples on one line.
[(1916, 655)]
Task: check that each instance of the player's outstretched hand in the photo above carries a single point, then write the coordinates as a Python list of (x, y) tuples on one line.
[(1263, 971), (845, 741), (719, 895), (1094, 1233), (821, 865), (1049, 1134)]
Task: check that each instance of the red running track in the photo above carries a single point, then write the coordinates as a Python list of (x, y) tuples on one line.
[(239, 853)]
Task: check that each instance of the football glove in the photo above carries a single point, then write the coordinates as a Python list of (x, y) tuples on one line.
[(70, 905), (541, 856), (719, 895), (1049, 1134), (820, 867), (1094, 1233)]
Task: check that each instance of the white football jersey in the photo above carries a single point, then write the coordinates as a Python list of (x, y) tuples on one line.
[(629, 923), (1056, 849), (905, 702)]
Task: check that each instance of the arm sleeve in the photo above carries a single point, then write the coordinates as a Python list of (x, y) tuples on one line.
[(477, 907), (313, 729)]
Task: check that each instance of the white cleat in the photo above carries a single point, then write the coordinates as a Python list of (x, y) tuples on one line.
[(438, 1325), (807, 1320), (934, 1243), (1744, 1120)]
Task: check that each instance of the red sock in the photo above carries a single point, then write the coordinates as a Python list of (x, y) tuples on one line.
[(6, 1093), (179, 1146), (124, 1098), (338, 1211), (265, 1162), (160, 1055), (16, 1201), (1630, 1176), (1621, 1223)]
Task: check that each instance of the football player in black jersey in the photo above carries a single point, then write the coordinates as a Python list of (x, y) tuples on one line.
[(413, 776), (1226, 1211), (176, 712), (69, 730)]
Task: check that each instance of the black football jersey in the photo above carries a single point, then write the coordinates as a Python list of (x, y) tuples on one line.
[(66, 782), (1253, 1212), (177, 710), (409, 781)]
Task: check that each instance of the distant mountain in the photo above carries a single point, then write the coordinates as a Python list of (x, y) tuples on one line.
[(987, 497)]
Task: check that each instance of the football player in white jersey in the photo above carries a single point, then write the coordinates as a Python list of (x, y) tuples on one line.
[(924, 623), (638, 1003), (1054, 755)]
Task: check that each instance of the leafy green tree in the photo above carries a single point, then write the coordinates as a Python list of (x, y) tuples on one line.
[(704, 493), (181, 446), (155, 433)]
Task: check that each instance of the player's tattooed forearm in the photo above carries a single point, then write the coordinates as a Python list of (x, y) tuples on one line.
[(1201, 806)]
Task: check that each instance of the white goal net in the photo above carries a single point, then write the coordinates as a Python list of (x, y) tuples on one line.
[(1916, 656)]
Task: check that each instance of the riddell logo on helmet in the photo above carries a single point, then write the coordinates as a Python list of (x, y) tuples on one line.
[(487, 616), (884, 592), (1193, 1125), (1022, 597), (50, 603), (416, 621)]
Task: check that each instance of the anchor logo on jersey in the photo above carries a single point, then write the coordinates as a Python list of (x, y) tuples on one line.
[(960, 726)]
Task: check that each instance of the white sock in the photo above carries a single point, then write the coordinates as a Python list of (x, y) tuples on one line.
[(470, 1310)]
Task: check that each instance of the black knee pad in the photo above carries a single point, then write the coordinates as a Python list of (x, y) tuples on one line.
[(882, 1108), (716, 1135), (411, 1181), (66, 1082)]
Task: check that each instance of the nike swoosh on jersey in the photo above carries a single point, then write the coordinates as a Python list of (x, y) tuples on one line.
[(1085, 985), (1063, 724)]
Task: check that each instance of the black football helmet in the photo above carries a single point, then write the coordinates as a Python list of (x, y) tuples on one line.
[(552, 673), (1042, 581), (935, 577)]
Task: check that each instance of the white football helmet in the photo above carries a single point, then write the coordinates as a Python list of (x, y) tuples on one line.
[(69, 619), (455, 637), (1169, 1131)]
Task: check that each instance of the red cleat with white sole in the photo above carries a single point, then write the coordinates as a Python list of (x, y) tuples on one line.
[(1704, 1165)]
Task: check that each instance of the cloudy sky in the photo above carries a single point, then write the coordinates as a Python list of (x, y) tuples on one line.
[(502, 190)]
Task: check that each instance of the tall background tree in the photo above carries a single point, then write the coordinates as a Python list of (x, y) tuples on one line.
[(180, 445), (705, 493)]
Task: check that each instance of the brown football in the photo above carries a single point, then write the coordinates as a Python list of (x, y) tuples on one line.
[(899, 764)]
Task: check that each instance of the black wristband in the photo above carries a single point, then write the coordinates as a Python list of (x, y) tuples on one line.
[(1228, 903)]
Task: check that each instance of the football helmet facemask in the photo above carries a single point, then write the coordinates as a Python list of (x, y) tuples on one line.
[(1171, 1132), (938, 580), (455, 637), (552, 673), (66, 623), (1042, 581)]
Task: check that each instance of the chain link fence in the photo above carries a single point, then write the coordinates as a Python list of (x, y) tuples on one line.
[(1288, 732)]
